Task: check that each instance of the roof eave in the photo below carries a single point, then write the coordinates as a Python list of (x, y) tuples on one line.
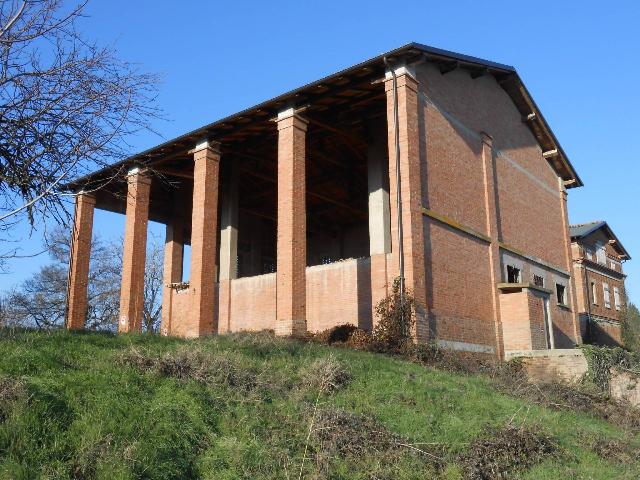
[(566, 172)]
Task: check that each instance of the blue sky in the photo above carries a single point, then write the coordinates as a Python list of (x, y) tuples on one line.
[(578, 59)]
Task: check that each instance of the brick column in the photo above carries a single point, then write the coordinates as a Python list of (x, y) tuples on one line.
[(204, 229), (292, 236), (493, 232), (569, 262), (411, 191), (172, 271), (79, 261), (134, 251)]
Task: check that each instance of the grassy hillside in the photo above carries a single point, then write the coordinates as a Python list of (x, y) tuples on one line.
[(251, 406)]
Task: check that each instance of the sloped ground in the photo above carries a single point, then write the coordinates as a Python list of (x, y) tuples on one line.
[(251, 406)]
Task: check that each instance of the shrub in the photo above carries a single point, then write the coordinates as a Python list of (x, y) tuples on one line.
[(395, 319), (602, 359), (630, 320)]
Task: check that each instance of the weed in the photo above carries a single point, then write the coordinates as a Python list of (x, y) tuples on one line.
[(326, 375)]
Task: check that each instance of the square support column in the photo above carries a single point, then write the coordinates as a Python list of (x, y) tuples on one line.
[(204, 229), (172, 271), (378, 187), (228, 247), (134, 251), (379, 212), (229, 228), (410, 191), (493, 232), (569, 262), (292, 225), (79, 261)]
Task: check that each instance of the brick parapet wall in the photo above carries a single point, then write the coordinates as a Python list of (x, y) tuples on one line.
[(543, 366)]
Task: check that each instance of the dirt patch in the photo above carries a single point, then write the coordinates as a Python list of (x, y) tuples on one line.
[(11, 390), (326, 375), (499, 453), (338, 433), (619, 451), (343, 433)]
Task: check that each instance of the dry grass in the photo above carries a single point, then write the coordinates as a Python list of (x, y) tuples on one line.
[(326, 375), (195, 364), (10, 391)]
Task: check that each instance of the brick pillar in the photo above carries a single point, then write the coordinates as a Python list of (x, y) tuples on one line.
[(204, 228), (569, 262), (134, 251), (493, 232), (292, 237), (411, 192), (79, 261), (379, 214), (172, 271)]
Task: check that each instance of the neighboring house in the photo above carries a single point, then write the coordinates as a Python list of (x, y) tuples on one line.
[(597, 267), (292, 210)]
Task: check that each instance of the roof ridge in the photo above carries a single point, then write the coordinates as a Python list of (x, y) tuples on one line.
[(587, 223)]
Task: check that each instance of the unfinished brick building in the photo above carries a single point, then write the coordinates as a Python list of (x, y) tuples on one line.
[(597, 267), (291, 208)]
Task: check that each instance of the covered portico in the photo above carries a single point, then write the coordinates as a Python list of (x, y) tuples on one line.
[(289, 209)]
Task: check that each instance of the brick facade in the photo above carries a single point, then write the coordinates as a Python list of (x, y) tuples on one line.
[(597, 273), (481, 194)]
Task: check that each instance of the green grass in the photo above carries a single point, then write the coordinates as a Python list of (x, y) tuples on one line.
[(82, 414)]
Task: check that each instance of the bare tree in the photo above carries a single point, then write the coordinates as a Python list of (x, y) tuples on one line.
[(41, 300), (67, 107)]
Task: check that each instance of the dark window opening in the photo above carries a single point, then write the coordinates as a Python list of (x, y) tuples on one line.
[(560, 294), (513, 274), (538, 281)]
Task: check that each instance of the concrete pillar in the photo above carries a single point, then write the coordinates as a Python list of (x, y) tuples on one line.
[(256, 246), (79, 261), (228, 248), (493, 232), (134, 251), (569, 262), (204, 228), (379, 212), (411, 191), (229, 228), (172, 271), (378, 185), (292, 241)]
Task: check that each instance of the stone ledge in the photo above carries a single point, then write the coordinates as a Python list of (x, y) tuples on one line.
[(555, 353)]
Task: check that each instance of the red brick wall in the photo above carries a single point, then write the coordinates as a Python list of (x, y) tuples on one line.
[(455, 110), (598, 309), (253, 303), (527, 206), (523, 320), (339, 293), (458, 285)]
